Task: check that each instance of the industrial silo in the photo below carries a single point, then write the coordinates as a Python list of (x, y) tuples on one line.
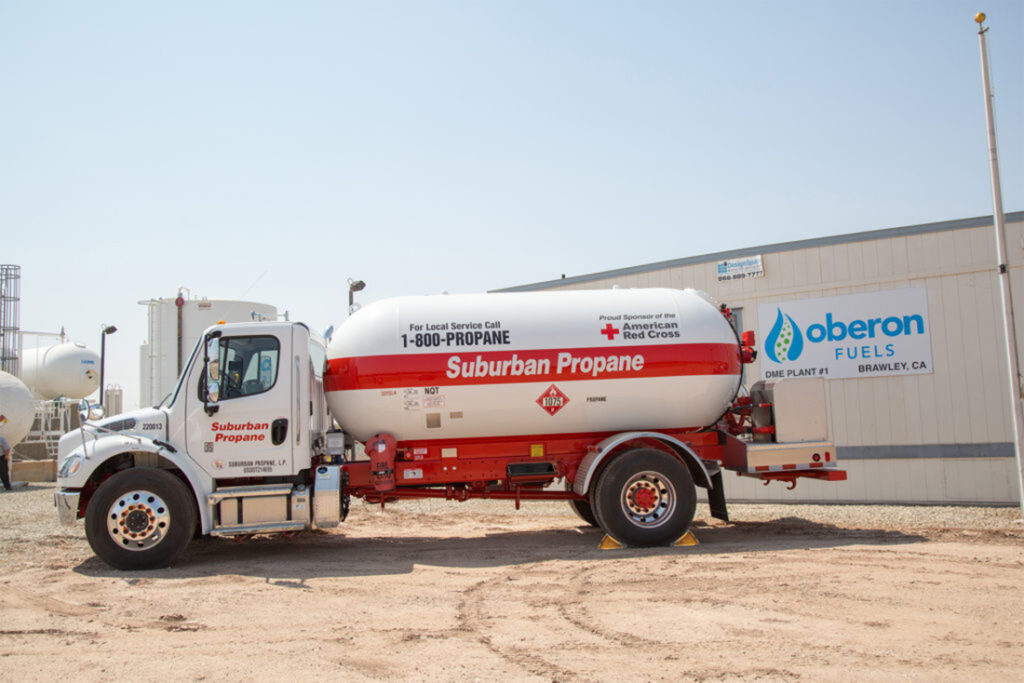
[(175, 324)]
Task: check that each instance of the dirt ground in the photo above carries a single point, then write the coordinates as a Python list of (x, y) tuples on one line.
[(476, 591)]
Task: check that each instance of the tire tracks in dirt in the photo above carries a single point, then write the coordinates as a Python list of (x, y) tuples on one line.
[(473, 620)]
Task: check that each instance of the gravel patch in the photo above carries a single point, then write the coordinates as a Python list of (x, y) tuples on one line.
[(888, 517), (28, 512)]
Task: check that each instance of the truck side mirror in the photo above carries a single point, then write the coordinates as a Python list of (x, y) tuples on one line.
[(211, 394), (87, 411)]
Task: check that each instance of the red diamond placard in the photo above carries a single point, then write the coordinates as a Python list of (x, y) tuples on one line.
[(552, 400)]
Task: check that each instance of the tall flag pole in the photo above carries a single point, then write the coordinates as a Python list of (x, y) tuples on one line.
[(1004, 271)]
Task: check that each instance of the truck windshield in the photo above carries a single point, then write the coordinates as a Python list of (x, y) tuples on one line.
[(317, 357)]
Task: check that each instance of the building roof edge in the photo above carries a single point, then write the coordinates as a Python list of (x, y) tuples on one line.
[(923, 228)]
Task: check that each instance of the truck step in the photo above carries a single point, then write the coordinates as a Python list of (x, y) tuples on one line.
[(271, 527), (254, 509), (248, 492)]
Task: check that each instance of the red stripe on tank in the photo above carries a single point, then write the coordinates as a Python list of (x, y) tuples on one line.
[(535, 365)]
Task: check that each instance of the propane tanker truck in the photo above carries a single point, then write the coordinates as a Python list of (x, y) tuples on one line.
[(619, 402)]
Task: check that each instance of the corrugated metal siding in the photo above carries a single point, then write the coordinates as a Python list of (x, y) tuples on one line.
[(963, 401)]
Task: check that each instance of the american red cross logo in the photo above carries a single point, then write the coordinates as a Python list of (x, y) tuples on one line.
[(552, 400), (610, 331)]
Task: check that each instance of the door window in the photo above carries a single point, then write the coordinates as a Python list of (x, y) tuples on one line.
[(249, 366)]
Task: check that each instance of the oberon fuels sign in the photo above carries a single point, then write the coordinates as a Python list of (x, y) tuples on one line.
[(873, 334)]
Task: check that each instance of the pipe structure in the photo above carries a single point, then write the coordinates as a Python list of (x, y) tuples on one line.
[(1009, 326)]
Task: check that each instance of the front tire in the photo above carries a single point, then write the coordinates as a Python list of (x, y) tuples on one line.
[(140, 518), (645, 497)]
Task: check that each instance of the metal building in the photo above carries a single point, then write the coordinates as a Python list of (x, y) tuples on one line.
[(905, 325)]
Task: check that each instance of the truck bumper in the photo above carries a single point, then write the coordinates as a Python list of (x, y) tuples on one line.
[(67, 506)]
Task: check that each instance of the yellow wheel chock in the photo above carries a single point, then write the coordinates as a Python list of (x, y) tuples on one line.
[(609, 543), (687, 539)]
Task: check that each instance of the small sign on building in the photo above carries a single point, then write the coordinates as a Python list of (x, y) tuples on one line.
[(741, 268)]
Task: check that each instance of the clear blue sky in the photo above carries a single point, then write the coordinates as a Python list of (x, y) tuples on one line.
[(465, 146)]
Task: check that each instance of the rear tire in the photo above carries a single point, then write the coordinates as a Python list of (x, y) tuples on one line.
[(582, 508), (140, 518), (584, 511), (645, 497)]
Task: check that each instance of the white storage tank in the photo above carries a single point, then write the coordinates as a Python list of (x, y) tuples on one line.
[(509, 364), (17, 409), (71, 370), (175, 325)]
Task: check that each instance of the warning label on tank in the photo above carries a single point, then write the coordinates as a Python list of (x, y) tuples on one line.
[(552, 400), (411, 399)]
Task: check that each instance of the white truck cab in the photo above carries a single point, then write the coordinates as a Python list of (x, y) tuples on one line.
[(248, 407)]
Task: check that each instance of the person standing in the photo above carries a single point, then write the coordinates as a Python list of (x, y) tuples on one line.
[(5, 453)]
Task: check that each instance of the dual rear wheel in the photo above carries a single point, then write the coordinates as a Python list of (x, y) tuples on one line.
[(644, 497)]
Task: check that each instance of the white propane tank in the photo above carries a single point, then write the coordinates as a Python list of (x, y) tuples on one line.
[(514, 364), (17, 409), (69, 370)]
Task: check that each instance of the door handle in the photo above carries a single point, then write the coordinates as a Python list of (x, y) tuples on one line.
[(279, 431)]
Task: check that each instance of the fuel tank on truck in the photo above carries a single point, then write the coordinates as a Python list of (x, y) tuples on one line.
[(514, 364)]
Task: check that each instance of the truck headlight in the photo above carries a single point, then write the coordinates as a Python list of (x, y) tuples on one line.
[(71, 466)]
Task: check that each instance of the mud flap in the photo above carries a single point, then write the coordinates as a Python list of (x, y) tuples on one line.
[(716, 498)]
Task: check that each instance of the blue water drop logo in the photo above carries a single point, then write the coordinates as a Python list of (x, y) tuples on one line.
[(785, 342)]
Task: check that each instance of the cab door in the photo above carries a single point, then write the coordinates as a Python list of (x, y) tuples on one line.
[(250, 430)]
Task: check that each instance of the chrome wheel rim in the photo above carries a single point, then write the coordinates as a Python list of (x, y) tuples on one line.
[(648, 499), (138, 520)]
